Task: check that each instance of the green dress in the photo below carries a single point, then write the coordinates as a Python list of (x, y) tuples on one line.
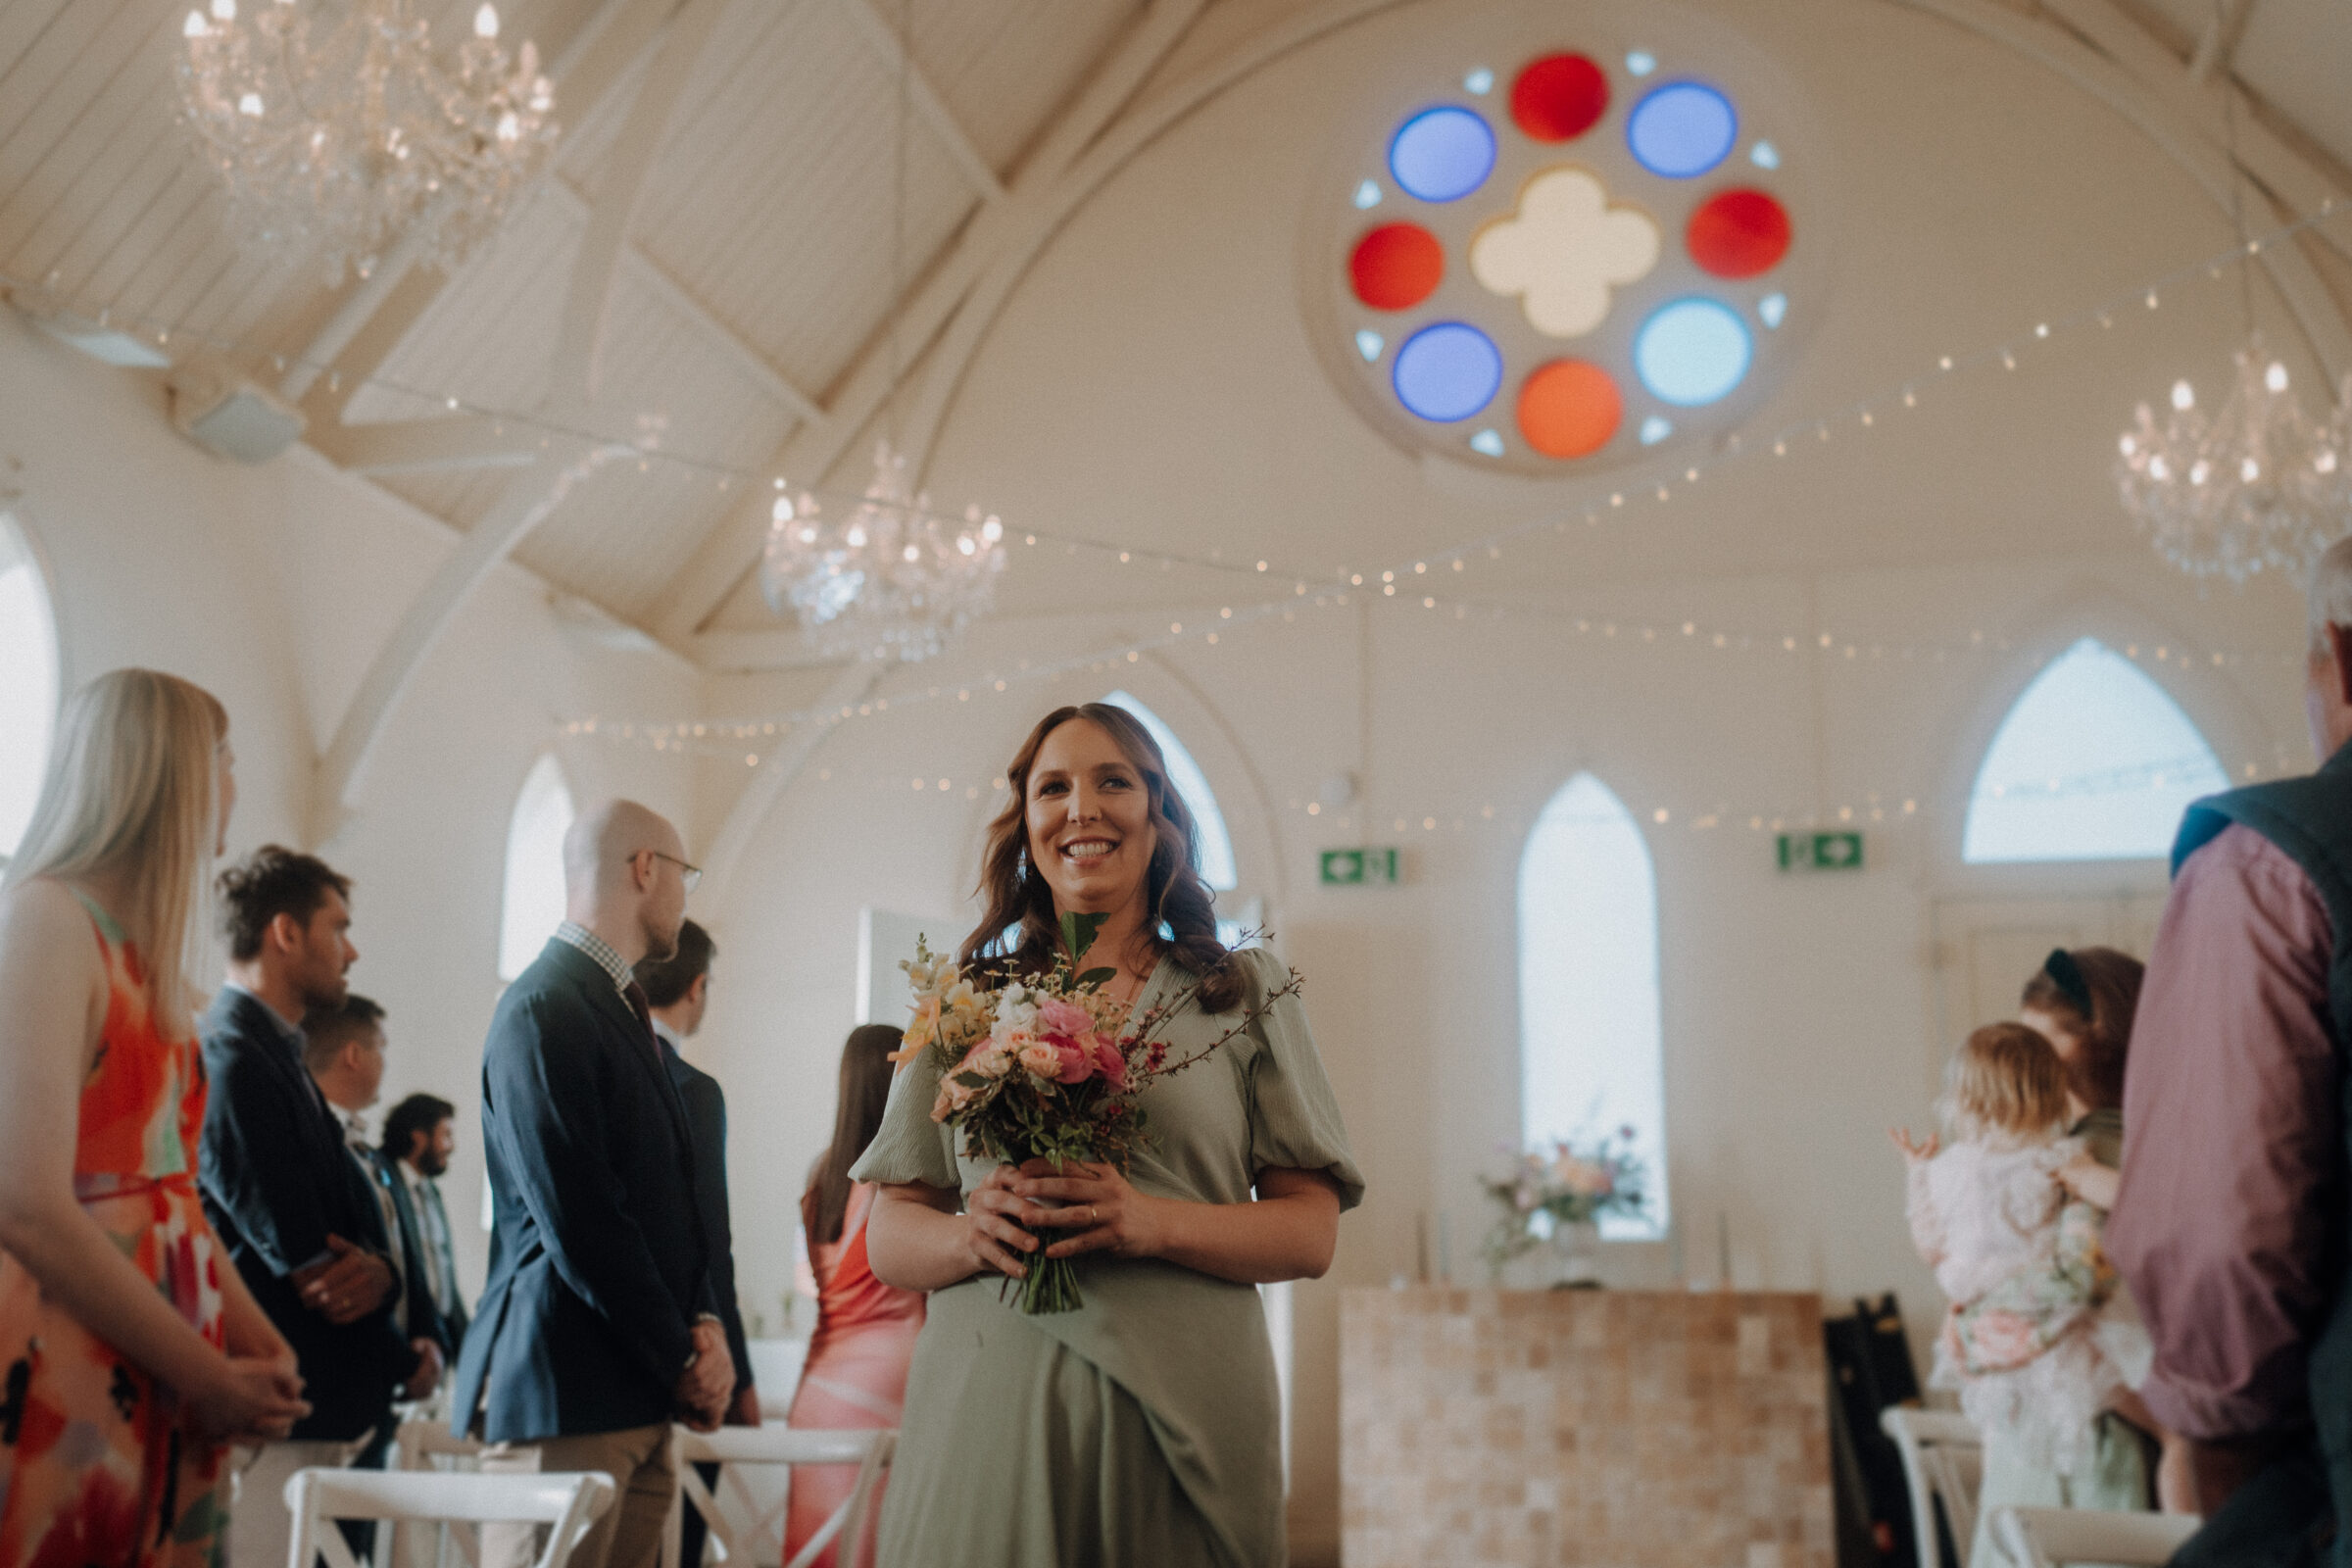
[(1142, 1429)]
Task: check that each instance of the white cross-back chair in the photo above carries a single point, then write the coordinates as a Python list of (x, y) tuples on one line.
[(430, 1447), (1944, 1460), (2045, 1538), (569, 1505), (742, 1529)]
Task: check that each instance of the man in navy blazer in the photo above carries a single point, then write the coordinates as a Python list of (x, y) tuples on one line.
[(599, 1325), (294, 1213), (677, 989)]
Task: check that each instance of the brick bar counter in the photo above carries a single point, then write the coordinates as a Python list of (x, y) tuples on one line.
[(1601, 1429)]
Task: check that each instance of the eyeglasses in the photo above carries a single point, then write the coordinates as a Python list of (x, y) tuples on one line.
[(690, 876)]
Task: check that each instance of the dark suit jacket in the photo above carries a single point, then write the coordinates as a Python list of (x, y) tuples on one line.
[(424, 1318), (453, 1321), (277, 1182), (598, 1264), (707, 1118)]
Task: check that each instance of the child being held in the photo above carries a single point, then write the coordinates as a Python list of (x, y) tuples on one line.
[(2029, 1340)]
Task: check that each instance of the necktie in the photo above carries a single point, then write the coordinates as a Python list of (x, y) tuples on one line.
[(642, 1005)]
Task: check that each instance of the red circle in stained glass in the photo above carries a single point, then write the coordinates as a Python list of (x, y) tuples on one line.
[(1397, 266), (1738, 234), (1559, 97)]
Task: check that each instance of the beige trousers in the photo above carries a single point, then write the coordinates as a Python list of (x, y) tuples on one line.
[(630, 1534)]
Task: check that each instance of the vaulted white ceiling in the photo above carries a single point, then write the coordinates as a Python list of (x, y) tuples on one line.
[(730, 258)]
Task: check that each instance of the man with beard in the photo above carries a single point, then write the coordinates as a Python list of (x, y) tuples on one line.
[(599, 1325), (291, 1208), (420, 1136)]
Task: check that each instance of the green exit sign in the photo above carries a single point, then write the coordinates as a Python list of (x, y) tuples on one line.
[(1359, 869), (1821, 852)]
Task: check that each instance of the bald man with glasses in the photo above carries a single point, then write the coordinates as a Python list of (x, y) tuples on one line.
[(599, 1325)]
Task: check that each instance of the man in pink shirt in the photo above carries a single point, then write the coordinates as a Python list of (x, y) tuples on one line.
[(2231, 1224)]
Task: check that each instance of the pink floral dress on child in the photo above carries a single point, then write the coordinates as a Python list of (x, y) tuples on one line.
[(2035, 1339)]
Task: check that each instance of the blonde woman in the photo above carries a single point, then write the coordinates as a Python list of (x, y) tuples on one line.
[(129, 1355)]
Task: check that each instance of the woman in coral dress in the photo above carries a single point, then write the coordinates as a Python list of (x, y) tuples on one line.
[(130, 1355), (855, 1375)]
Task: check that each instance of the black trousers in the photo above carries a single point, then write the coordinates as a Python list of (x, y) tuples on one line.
[(692, 1531)]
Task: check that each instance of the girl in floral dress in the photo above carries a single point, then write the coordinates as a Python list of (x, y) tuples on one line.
[(130, 1355), (2027, 1340)]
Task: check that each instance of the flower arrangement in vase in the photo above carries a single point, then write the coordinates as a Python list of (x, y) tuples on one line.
[(1557, 1196)]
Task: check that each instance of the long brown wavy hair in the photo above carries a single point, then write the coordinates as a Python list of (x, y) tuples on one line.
[(865, 1073), (1017, 896)]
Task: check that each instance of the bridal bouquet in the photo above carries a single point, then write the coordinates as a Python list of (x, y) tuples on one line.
[(1568, 1185), (1046, 1067)]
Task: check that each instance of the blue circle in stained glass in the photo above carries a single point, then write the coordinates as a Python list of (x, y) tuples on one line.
[(1693, 351), (1443, 154), (1681, 130), (1448, 371)]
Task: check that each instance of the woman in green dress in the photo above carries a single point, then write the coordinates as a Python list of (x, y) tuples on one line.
[(1143, 1428)]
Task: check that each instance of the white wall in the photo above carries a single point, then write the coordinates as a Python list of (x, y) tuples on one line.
[(1151, 381), (272, 587)]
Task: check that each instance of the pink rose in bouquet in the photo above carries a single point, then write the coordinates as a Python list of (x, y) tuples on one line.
[(1046, 1067)]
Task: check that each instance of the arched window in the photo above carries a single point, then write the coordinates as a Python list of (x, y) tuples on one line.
[(534, 898), (1218, 867), (2095, 763), (27, 686), (1590, 1054)]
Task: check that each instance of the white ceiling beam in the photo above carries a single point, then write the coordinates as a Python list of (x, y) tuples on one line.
[(927, 103), (587, 73), (777, 770), (754, 365), (703, 583), (524, 502), (427, 446), (534, 492), (2219, 42), (576, 365), (2085, 51), (2289, 175)]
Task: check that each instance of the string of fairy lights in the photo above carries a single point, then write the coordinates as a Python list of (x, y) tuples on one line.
[(746, 739), (647, 440)]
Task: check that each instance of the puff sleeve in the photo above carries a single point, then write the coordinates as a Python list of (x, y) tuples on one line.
[(1295, 1117), (911, 1147)]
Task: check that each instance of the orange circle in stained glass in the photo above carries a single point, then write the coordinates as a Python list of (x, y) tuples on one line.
[(1569, 408), (1397, 266)]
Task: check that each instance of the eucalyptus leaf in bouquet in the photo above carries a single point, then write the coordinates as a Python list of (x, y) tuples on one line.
[(1047, 1068)]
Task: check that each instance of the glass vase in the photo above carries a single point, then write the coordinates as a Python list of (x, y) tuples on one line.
[(1573, 1253)]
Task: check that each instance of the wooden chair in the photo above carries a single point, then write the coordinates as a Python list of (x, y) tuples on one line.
[(752, 1532), (1944, 1460), (320, 1499), (2044, 1537)]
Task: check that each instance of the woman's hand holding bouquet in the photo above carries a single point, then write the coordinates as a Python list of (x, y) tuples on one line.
[(1044, 1076)]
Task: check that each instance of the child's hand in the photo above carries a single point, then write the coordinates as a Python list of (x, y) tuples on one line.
[(2091, 1181), (1923, 1148)]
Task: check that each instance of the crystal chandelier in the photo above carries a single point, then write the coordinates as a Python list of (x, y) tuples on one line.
[(2257, 485), (333, 126), (889, 581)]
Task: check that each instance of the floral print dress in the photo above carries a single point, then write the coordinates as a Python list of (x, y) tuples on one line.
[(2037, 1336), (97, 1469)]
